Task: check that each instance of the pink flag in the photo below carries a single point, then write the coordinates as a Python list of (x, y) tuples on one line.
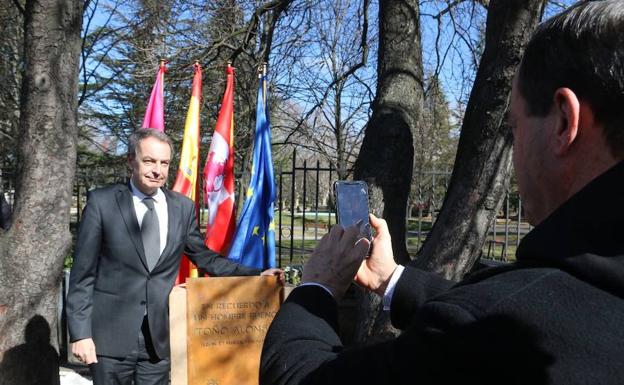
[(155, 112)]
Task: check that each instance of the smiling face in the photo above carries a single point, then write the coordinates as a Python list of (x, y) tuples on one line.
[(150, 165)]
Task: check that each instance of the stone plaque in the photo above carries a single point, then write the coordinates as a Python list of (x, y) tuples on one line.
[(227, 320)]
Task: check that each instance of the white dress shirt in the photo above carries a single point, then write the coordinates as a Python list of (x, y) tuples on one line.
[(160, 205), (389, 293), (387, 297)]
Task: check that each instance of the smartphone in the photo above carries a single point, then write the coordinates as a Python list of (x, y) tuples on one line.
[(352, 205)]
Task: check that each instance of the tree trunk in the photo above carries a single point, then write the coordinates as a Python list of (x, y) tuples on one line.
[(483, 162), (33, 249), (386, 157)]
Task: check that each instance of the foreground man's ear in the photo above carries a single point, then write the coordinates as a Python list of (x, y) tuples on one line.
[(566, 110)]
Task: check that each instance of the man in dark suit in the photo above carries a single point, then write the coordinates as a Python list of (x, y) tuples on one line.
[(553, 317), (127, 257)]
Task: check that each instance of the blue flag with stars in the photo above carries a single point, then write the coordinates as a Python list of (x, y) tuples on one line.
[(254, 238)]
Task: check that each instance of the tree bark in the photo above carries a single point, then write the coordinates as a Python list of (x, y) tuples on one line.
[(33, 249), (387, 154), (483, 163), (11, 44), (386, 157)]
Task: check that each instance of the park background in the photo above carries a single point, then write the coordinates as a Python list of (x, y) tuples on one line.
[(410, 96)]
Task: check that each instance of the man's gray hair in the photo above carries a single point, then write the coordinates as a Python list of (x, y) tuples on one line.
[(144, 133)]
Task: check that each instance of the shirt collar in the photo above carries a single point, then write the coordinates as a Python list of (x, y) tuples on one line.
[(159, 197)]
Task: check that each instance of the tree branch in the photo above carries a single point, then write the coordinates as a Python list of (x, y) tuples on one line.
[(279, 5), (350, 71)]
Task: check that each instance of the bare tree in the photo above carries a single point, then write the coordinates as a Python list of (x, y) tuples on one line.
[(122, 53), (483, 163), (387, 154), (32, 250), (327, 88)]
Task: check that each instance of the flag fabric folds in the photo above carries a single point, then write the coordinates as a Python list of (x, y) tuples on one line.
[(188, 170), (154, 114), (254, 240), (218, 175), (186, 178)]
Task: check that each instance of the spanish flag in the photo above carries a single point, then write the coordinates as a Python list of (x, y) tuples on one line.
[(186, 179)]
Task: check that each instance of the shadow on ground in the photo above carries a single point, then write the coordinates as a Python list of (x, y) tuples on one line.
[(34, 362)]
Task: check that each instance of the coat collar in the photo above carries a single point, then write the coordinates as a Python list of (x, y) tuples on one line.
[(591, 221), (584, 236)]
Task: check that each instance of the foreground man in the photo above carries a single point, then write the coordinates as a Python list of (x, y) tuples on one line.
[(554, 317), (127, 258)]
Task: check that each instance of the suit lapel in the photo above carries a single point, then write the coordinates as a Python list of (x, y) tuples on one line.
[(126, 207)]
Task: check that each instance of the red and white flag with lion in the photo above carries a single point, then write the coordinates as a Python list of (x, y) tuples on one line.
[(219, 175)]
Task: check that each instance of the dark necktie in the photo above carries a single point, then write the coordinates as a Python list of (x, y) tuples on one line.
[(150, 234)]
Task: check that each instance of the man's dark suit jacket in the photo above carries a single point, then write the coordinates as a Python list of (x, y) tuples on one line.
[(554, 317), (110, 286)]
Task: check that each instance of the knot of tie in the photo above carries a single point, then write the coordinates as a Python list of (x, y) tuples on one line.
[(149, 202)]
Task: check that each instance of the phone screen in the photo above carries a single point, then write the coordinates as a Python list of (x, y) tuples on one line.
[(352, 205)]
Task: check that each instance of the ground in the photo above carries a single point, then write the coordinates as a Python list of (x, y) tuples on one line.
[(72, 375)]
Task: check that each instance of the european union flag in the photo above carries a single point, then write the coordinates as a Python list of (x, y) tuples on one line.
[(254, 239)]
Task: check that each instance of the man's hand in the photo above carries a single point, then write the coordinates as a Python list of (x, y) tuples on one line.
[(376, 270), (277, 272), (336, 259), (84, 351)]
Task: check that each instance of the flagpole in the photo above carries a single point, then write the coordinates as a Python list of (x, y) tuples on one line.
[(262, 71), (193, 270)]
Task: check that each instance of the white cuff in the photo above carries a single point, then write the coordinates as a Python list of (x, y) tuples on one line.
[(387, 298)]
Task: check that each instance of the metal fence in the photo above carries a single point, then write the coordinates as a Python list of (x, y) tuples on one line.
[(304, 208), (305, 212)]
